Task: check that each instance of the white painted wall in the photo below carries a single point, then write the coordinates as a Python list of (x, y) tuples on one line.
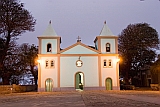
[(68, 69), (112, 43), (48, 72), (109, 72), (44, 46)]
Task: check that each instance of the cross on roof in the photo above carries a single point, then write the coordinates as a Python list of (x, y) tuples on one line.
[(50, 22), (78, 39), (79, 57)]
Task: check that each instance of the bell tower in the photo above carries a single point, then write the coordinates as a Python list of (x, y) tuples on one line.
[(49, 48), (49, 42), (106, 42)]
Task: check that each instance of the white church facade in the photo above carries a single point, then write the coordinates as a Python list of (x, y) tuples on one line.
[(79, 66)]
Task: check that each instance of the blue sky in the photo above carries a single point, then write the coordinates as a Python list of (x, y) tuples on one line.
[(85, 18)]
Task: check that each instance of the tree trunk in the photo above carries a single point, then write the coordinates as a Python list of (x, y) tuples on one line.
[(159, 78), (126, 78), (34, 74), (5, 76), (35, 80), (127, 74), (5, 79)]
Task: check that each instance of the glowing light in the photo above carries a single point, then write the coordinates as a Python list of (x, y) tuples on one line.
[(118, 60), (39, 61)]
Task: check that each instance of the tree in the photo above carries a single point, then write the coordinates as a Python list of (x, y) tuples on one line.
[(28, 56), (14, 20), (137, 44), (155, 71), (10, 63), (11, 67), (2, 42)]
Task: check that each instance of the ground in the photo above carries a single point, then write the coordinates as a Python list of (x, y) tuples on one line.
[(82, 99)]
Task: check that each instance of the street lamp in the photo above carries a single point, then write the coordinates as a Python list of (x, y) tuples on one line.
[(118, 60), (39, 61)]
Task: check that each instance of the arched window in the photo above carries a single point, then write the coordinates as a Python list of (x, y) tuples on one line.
[(104, 63), (110, 63), (108, 47), (49, 47), (52, 63), (47, 64)]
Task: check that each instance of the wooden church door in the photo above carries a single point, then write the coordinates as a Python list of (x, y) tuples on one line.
[(108, 84), (78, 81), (49, 85)]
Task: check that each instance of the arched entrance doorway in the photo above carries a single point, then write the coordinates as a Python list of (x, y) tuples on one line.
[(108, 84), (79, 81), (49, 85)]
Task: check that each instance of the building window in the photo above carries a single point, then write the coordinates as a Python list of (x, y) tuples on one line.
[(104, 63), (49, 47), (108, 47), (52, 63), (47, 64), (110, 63)]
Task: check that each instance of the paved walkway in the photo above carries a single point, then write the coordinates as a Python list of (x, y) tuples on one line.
[(82, 99)]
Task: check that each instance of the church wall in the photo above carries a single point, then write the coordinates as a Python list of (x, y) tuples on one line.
[(103, 45), (89, 68), (48, 72), (44, 46), (109, 72), (64, 71)]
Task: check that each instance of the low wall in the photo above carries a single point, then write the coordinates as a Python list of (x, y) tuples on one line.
[(6, 89), (24, 88), (155, 87)]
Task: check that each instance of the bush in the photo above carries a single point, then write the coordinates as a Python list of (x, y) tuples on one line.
[(127, 87)]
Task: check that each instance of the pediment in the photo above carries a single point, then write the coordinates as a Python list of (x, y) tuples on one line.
[(79, 48)]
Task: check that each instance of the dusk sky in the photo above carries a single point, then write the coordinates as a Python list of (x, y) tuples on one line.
[(85, 18)]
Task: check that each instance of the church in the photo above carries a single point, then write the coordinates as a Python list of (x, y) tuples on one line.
[(79, 66)]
